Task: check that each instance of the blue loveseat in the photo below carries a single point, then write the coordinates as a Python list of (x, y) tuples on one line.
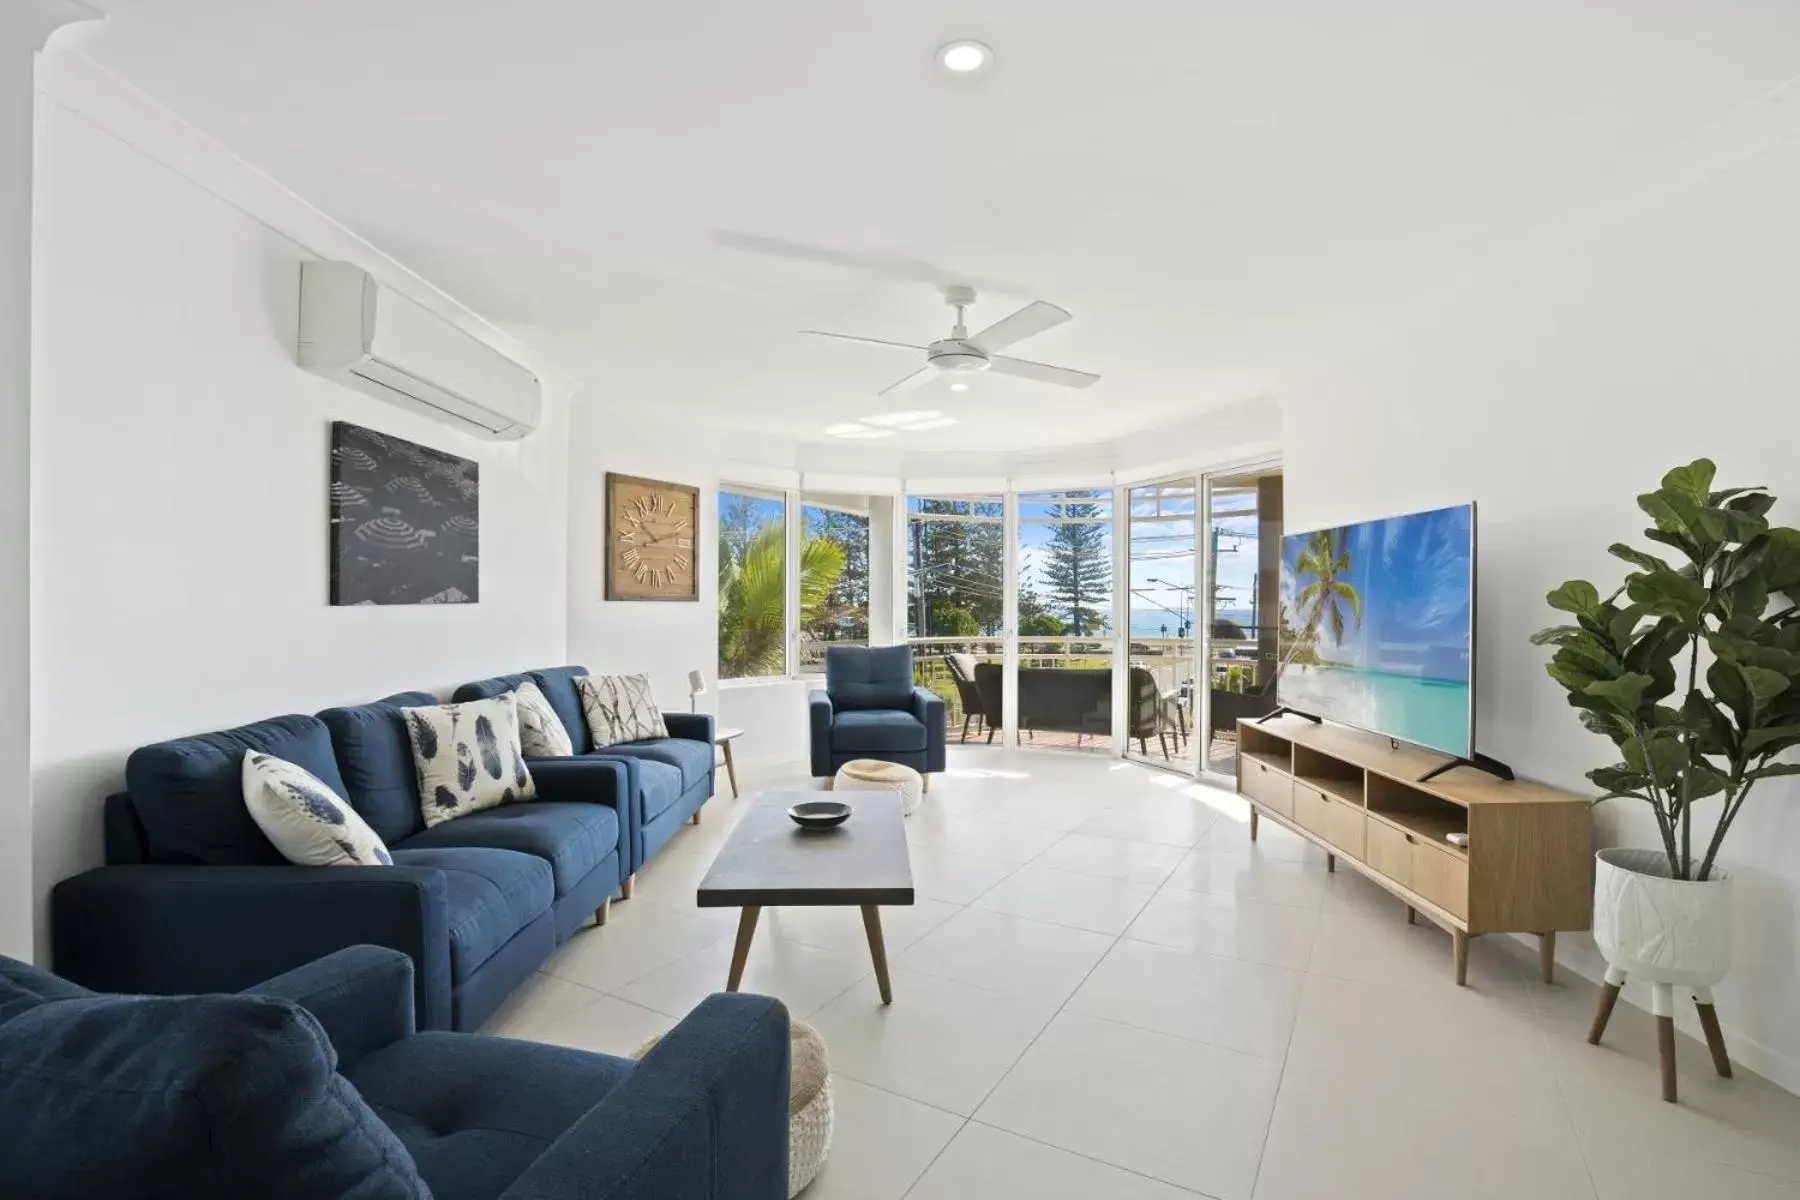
[(870, 709), (315, 1084), (668, 779), (195, 899)]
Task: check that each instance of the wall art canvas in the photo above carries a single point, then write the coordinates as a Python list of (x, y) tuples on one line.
[(405, 521)]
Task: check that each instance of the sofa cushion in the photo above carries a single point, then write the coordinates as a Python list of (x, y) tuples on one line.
[(619, 708), (882, 731), (659, 786), (487, 689), (693, 759), (23, 987), (191, 1096), (189, 793), (310, 824), (559, 688), (864, 677), (572, 838), (492, 895), (474, 1112), (467, 757), (374, 756)]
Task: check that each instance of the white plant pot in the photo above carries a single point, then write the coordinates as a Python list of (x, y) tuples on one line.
[(1658, 929)]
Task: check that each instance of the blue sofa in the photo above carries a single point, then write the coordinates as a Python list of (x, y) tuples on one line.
[(195, 899), (316, 1084), (870, 709), (668, 779)]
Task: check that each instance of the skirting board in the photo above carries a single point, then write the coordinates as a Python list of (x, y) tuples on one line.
[(1577, 953)]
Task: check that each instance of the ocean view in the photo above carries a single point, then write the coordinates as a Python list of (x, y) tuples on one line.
[(1430, 712)]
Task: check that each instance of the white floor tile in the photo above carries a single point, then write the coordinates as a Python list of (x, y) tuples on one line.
[(939, 1042), (1276, 934), (997, 841), (1384, 949), (1015, 956), (1260, 879), (1112, 858), (1272, 841), (540, 998), (636, 940), (985, 1162), (1362, 1138), (1170, 820), (940, 874), (880, 1143), (1185, 1113), (1068, 898), (1223, 1001), (801, 976), (606, 1024), (840, 928)]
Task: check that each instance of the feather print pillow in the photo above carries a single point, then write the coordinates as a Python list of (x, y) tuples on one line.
[(541, 731), (468, 757), (309, 823)]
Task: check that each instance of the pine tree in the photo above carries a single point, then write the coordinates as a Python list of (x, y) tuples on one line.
[(1078, 569)]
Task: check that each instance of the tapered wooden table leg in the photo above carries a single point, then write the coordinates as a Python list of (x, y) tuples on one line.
[(1253, 823), (740, 953), (1715, 1037), (1331, 863), (1459, 951), (1412, 915), (731, 769), (1547, 956), (877, 950)]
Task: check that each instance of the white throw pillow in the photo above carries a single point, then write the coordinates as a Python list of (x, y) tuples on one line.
[(619, 709), (309, 823), (468, 757), (541, 732)]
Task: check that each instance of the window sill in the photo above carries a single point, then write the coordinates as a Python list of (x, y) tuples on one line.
[(755, 681)]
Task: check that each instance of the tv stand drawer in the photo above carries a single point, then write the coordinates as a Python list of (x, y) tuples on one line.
[(1269, 787)]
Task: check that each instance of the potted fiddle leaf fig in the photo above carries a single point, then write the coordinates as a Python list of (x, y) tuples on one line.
[(1689, 668)]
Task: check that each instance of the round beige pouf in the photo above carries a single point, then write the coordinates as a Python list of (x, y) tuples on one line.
[(809, 1103), (869, 775)]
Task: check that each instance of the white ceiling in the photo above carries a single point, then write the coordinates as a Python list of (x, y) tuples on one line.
[(1225, 194)]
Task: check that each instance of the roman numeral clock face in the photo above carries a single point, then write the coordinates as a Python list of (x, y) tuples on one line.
[(652, 534)]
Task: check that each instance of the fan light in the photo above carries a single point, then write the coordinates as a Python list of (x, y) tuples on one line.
[(909, 422), (856, 429), (959, 387), (965, 57)]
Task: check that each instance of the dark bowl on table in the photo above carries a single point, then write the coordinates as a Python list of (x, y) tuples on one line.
[(819, 814)]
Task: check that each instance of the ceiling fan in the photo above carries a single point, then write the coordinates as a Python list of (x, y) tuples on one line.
[(961, 354)]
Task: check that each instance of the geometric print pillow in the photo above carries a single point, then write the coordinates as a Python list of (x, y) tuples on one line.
[(619, 709), (309, 823), (468, 757), (541, 731)]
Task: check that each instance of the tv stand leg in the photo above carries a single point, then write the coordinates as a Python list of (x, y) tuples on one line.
[(1289, 712), (1480, 762), (1331, 863), (1253, 823), (1459, 950)]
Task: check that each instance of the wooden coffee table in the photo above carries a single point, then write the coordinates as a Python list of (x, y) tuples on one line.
[(769, 860)]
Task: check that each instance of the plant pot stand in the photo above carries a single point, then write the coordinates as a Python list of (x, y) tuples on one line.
[(1663, 1007), (1668, 933)]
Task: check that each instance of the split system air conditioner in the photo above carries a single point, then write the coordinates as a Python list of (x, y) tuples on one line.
[(370, 337)]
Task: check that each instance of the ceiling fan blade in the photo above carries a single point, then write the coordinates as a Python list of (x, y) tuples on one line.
[(850, 337), (1042, 372), (918, 378), (1029, 321)]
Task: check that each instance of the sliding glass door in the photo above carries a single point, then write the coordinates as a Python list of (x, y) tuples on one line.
[(1068, 631), (1243, 605), (1162, 591)]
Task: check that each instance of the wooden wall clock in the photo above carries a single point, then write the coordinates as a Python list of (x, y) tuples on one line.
[(652, 538)]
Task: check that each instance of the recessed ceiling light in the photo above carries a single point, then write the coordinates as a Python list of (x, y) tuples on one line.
[(959, 387), (965, 57), (856, 429), (934, 423)]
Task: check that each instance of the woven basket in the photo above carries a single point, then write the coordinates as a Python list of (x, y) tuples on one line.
[(872, 775)]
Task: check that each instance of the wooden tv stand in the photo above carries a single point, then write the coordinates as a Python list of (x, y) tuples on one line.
[(1528, 866)]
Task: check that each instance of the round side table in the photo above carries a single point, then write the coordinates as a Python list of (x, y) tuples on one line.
[(723, 739)]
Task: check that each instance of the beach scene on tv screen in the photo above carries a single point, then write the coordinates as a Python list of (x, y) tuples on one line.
[(1376, 626)]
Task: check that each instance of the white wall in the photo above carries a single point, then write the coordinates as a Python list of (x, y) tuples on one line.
[(179, 539), (1656, 332)]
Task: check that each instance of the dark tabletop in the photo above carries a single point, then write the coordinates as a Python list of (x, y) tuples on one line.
[(769, 860)]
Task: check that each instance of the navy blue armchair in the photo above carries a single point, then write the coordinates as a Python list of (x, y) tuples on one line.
[(316, 1083), (870, 709)]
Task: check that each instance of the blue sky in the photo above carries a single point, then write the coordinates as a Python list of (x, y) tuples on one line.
[(1413, 573)]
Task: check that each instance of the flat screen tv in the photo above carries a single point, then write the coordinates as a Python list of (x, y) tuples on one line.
[(1377, 627)]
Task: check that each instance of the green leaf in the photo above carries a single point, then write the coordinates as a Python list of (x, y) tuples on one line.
[(1763, 741), (1711, 727), (1668, 757), (1773, 770), (1617, 778), (1693, 480), (1648, 562), (1568, 675), (1781, 564), (1575, 596), (1680, 541), (1763, 683), (1670, 594), (1624, 693), (1755, 501), (1740, 526), (1624, 625), (1703, 780), (1556, 635), (1728, 684)]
